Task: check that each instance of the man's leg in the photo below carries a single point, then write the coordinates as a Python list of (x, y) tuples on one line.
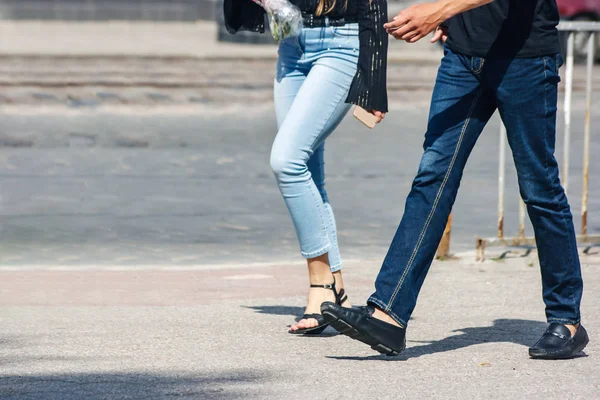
[(460, 108), (527, 100)]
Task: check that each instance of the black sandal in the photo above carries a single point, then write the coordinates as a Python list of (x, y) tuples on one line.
[(340, 298)]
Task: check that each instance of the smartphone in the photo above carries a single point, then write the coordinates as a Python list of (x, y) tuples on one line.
[(365, 117)]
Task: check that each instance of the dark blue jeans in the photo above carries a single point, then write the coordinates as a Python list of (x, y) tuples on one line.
[(467, 92)]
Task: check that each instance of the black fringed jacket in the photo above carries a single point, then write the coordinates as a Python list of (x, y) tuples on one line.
[(368, 89)]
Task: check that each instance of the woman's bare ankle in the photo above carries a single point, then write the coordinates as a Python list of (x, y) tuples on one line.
[(339, 283), (319, 272), (339, 279)]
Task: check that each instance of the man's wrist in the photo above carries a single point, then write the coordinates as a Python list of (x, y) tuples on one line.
[(447, 10), (450, 8)]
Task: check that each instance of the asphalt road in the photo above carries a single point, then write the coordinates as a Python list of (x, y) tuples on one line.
[(191, 185)]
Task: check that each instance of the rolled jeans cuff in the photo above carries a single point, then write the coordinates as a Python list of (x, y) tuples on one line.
[(564, 321), (317, 253), (384, 307), (336, 268)]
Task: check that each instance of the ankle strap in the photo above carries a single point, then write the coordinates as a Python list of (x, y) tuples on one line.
[(339, 297), (331, 286)]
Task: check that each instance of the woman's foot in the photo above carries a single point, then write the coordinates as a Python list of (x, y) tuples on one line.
[(319, 295)]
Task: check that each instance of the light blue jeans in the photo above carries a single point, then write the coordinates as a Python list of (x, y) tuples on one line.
[(314, 74)]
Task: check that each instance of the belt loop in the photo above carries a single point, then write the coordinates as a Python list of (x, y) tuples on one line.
[(326, 21)]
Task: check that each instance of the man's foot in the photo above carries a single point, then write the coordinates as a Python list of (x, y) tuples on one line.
[(559, 343), (359, 323)]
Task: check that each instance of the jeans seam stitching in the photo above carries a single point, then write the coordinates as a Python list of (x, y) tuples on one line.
[(319, 134), (319, 203), (566, 225), (545, 114), (435, 204), (334, 243)]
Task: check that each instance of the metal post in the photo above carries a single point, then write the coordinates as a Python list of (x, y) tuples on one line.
[(521, 240), (591, 47), (568, 95), (480, 250), (443, 250), (501, 181)]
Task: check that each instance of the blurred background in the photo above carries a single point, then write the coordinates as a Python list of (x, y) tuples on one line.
[(99, 10), (137, 133)]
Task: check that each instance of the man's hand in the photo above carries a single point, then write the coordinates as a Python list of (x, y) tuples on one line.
[(416, 22), (420, 20), (441, 33)]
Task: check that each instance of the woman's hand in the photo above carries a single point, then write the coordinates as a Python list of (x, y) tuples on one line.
[(380, 115)]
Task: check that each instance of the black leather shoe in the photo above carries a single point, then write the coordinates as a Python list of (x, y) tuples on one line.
[(358, 323), (556, 343)]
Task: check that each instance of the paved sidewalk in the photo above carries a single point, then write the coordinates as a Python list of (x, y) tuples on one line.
[(153, 39), (221, 334)]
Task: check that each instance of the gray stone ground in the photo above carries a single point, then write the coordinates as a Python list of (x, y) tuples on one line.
[(221, 333), (146, 252)]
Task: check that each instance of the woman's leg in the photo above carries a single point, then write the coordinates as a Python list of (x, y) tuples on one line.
[(291, 74), (316, 166), (317, 109)]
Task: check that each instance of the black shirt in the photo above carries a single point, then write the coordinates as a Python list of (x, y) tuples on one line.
[(368, 88), (506, 28)]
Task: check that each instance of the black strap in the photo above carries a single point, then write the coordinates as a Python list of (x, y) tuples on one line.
[(330, 286), (563, 337), (309, 316), (321, 21), (340, 297)]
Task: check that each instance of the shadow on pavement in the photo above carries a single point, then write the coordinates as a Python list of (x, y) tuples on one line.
[(230, 385), (295, 312), (279, 310), (521, 332)]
